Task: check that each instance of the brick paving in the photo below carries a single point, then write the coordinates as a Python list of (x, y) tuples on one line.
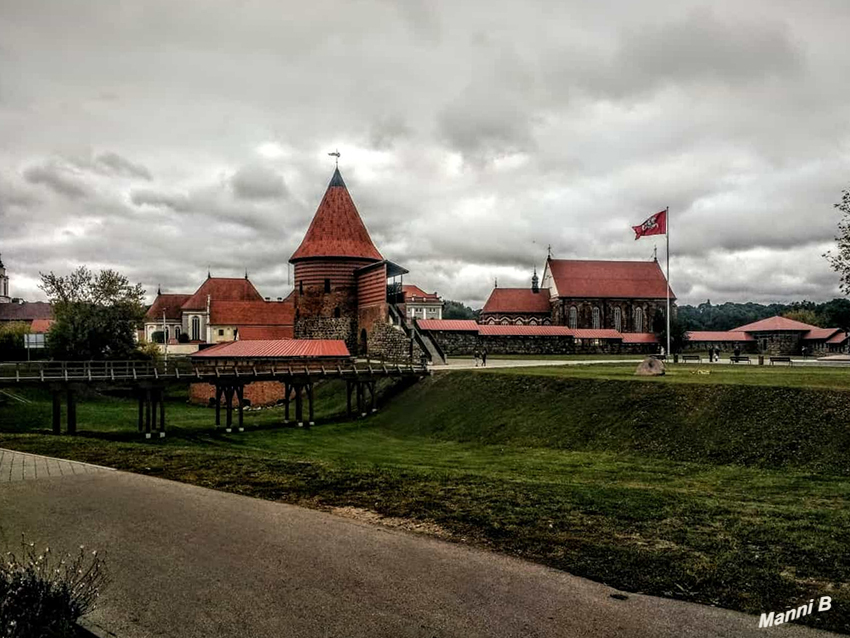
[(19, 466)]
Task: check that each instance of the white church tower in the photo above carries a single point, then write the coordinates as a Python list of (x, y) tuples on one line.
[(4, 284)]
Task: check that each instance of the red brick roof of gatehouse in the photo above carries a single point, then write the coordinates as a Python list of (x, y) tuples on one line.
[(453, 325), (776, 324), (838, 337), (337, 229), (252, 313), (265, 333), (518, 301), (170, 303), (639, 337), (719, 335), (609, 279), (222, 289), (596, 333), (277, 348), (820, 334), (499, 330), (40, 325)]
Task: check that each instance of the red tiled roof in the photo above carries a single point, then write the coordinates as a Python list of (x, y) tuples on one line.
[(518, 300), (411, 291), (265, 333), (454, 325), (819, 334), (40, 325), (639, 337), (524, 331), (28, 311), (337, 229), (252, 313), (277, 349), (595, 333), (222, 289), (170, 303), (773, 324), (838, 337), (609, 279), (719, 335)]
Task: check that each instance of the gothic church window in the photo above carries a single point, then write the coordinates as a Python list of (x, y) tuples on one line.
[(573, 317), (196, 328), (597, 322), (618, 320), (638, 319)]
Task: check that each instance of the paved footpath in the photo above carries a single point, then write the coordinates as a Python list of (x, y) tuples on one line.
[(188, 562)]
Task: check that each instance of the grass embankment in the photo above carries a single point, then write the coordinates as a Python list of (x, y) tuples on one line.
[(655, 487)]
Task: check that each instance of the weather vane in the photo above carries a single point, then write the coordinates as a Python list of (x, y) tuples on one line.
[(336, 155)]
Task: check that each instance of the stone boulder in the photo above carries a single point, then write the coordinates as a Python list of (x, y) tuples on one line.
[(650, 367)]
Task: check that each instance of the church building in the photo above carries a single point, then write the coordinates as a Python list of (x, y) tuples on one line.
[(624, 296)]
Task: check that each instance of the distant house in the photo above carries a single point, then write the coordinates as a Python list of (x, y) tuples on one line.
[(221, 309), (37, 314), (419, 304)]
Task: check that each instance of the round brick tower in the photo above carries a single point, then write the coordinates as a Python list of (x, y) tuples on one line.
[(336, 245)]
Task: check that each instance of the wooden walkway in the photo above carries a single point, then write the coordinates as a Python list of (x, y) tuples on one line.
[(20, 466)]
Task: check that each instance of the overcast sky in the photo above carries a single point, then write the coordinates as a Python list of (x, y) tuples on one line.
[(158, 138)]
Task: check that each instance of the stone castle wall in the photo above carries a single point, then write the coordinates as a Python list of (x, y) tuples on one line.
[(336, 328), (392, 344)]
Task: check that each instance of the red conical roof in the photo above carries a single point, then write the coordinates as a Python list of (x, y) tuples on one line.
[(336, 229)]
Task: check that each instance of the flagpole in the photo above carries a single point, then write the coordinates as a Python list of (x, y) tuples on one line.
[(667, 218)]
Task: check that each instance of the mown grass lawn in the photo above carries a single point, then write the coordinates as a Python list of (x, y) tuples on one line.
[(744, 537)]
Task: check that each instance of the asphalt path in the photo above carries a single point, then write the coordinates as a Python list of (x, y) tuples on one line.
[(188, 561)]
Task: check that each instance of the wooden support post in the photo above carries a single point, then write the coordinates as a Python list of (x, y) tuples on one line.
[(287, 393), (57, 412), (361, 398), (372, 397), (218, 391), (147, 414), (72, 412), (141, 411), (162, 413), (310, 399), (348, 397), (299, 405), (153, 410), (228, 398), (240, 394)]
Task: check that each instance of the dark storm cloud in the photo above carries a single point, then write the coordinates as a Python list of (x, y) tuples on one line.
[(58, 179), (159, 138), (256, 181), (121, 166)]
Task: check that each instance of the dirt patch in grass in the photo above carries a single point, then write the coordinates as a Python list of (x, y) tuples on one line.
[(395, 522)]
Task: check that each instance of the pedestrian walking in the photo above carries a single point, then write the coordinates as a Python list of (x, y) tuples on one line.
[(711, 354), (484, 357)]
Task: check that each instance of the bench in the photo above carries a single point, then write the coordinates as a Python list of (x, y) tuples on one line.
[(691, 357), (740, 359), (780, 360)]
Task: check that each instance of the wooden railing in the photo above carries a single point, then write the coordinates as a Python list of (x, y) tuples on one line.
[(34, 372)]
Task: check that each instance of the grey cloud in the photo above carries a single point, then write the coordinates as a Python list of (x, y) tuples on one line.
[(121, 166), (256, 181), (175, 201), (57, 179)]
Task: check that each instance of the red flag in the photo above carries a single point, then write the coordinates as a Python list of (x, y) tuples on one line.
[(655, 225)]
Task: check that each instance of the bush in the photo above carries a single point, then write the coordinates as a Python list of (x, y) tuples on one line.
[(183, 337), (148, 351), (12, 341), (43, 595)]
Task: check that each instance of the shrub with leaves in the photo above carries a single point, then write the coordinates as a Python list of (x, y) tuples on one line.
[(42, 594)]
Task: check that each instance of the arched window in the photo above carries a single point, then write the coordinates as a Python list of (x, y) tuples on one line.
[(196, 328), (337, 312), (167, 339), (638, 319), (573, 317), (301, 287), (618, 320), (597, 321), (176, 332), (327, 285)]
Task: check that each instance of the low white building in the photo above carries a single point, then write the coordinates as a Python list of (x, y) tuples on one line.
[(419, 304)]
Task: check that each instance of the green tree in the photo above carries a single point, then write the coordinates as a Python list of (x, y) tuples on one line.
[(457, 310), (96, 314), (803, 315), (12, 341), (678, 332), (840, 259)]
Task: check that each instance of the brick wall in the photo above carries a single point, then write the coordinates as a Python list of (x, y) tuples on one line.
[(258, 393), (391, 344)]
